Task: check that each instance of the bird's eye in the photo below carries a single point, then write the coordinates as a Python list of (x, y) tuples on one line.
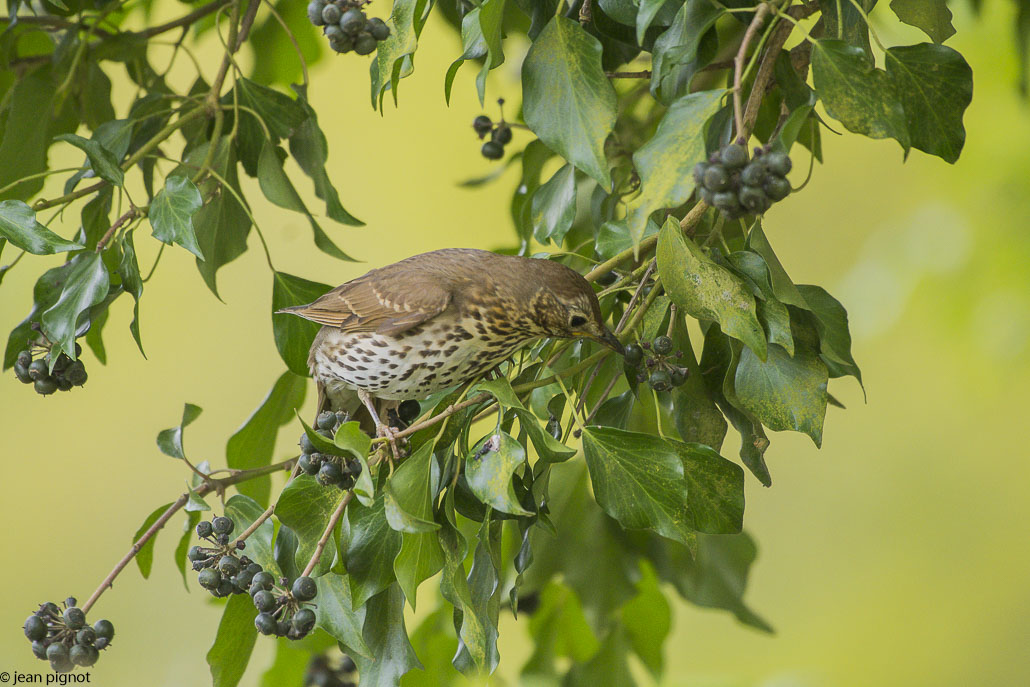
[(577, 321)]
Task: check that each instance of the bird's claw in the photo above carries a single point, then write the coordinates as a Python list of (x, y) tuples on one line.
[(390, 434)]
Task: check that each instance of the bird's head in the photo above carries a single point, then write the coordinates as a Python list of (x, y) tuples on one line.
[(566, 306)]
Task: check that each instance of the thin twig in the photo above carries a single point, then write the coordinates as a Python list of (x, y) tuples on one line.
[(253, 526), (604, 397), (738, 68), (184, 20), (337, 514), (130, 214), (645, 74)]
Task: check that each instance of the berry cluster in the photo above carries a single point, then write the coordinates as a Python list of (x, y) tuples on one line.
[(64, 638), (347, 26), (66, 374), (282, 612), (661, 374), (500, 136), (222, 572), (330, 470), (737, 187), (322, 672)]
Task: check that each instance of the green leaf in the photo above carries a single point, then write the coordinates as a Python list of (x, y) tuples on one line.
[(844, 21), (222, 225), (607, 667), (932, 17), (784, 392), (491, 18), (410, 491), (280, 113), (351, 439), (19, 226), (782, 286), (489, 469), (697, 418), (278, 188), (195, 503), (395, 56), (675, 51), (665, 163), (547, 447), (305, 507), (132, 282), (419, 559), (645, 15), (171, 213), (183, 547), (614, 237), (244, 511), (145, 556), (568, 101), (86, 285), (559, 630), (864, 99), (553, 207), (29, 123), (103, 162), (648, 619), (45, 293), (170, 440), (473, 48), (368, 547), (831, 321), (234, 642), (336, 615), (705, 290), (252, 444), (484, 593), (293, 335), (387, 640), (935, 85)]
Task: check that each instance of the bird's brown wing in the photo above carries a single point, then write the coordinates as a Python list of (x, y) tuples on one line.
[(388, 301)]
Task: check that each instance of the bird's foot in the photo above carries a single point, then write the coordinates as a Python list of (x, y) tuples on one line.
[(390, 434)]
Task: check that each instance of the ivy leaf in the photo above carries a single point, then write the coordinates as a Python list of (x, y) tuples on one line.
[(645, 15), (395, 56), (387, 639), (19, 226), (844, 21), (675, 51), (293, 335), (45, 293), (861, 97), (351, 439), (648, 619), (935, 85), (222, 225), (145, 556), (559, 630), (491, 19), (568, 101), (547, 447), (278, 188), (183, 547), (336, 615), (252, 444), (666, 161), (29, 116), (419, 559), (101, 160), (244, 511), (410, 491), (305, 507), (553, 207), (195, 503), (784, 392), (607, 667), (705, 290), (132, 282), (932, 17), (489, 469), (280, 113), (783, 288), (473, 48), (170, 440), (86, 285), (484, 593), (368, 547), (230, 654), (171, 213), (831, 321)]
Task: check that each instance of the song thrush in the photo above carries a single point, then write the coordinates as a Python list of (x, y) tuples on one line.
[(436, 320)]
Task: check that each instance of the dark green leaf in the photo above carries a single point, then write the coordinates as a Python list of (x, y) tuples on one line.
[(491, 17), (280, 113), (675, 51), (554, 206), (935, 85), (145, 556), (45, 293), (244, 511), (337, 616), (368, 547), (409, 493), (568, 101), (305, 507), (103, 162), (86, 285), (132, 282), (784, 392), (293, 335), (387, 640), (222, 225), (647, 619), (489, 469), (195, 503), (861, 97), (351, 439), (614, 237), (23, 148), (607, 667), (170, 440), (183, 547), (831, 321), (19, 226), (649, 9), (171, 213), (395, 56), (705, 290), (547, 447), (473, 48), (844, 21), (782, 286), (252, 444), (485, 593), (234, 642), (931, 16)]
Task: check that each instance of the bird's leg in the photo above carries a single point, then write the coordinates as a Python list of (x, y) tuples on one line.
[(382, 430)]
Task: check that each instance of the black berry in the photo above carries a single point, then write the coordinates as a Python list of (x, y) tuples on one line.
[(679, 376), (492, 150), (329, 473), (364, 43), (265, 623), (306, 446), (74, 617), (45, 386), (228, 566), (408, 410), (38, 369), (502, 134), (204, 529), (209, 578), (315, 12), (263, 580), (633, 354), (304, 621), (304, 463), (326, 420), (716, 178), (264, 601), (353, 21), (660, 380), (304, 589), (777, 188), (662, 345), (778, 163), (753, 199), (222, 525), (378, 28), (35, 628), (734, 156), (331, 14)]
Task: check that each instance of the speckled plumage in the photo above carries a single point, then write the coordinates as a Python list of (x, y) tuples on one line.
[(435, 320)]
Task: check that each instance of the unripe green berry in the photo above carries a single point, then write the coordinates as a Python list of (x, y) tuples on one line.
[(222, 525), (304, 621), (777, 188), (39, 650), (378, 28), (341, 42), (264, 601), (21, 371), (734, 156), (209, 578), (265, 623), (778, 163), (24, 357), (699, 173), (82, 655), (304, 589), (315, 8), (716, 178), (74, 617), (76, 373), (35, 628), (45, 386), (38, 369), (57, 652), (662, 345), (633, 354), (679, 376), (754, 174), (492, 150), (365, 43), (104, 629), (660, 380), (331, 14), (753, 199), (86, 635)]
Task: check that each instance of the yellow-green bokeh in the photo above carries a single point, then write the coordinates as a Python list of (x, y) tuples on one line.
[(896, 555)]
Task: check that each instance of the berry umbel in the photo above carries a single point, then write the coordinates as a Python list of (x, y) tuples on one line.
[(661, 371), (346, 25), (737, 187), (63, 638), (65, 373)]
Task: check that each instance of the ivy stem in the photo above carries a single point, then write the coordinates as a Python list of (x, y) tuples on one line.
[(738, 68), (205, 488), (254, 525), (130, 214), (645, 74), (335, 518)]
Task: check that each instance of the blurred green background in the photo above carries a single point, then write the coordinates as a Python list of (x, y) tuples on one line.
[(896, 555)]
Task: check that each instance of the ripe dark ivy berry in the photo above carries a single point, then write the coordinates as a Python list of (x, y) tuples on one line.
[(329, 473), (57, 652), (331, 14), (306, 446), (35, 628), (39, 650), (408, 410), (45, 386), (482, 125), (753, 199), (304, 621), (315, 12), (304, 463), (86, 635), (726, 202), (49, 608), (734, 156), (378, 28), (754, 174), (340, 42), (222, 525), (25, 357), (80, 655), (264, 601), (502, 134), (716, 178), (228, 565), (74, 617), (304, 589), (662, 345), (492, 150), (326, 420), (265, 623), (778, 163), (209, 578), (21, 371), (353, 21), (204, 530), (660, 380), (263, 580), (633, 355), (102, 643), (776, 188), (225, 588), (365, 43), (38, 369), (699, 172)]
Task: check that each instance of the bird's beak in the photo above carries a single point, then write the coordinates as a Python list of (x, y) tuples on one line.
[(609, 339)]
